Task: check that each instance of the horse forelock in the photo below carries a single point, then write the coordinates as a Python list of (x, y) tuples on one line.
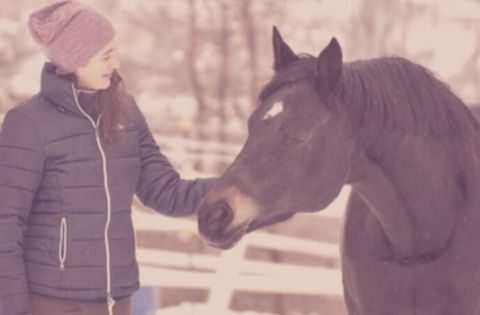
[(300, 71)]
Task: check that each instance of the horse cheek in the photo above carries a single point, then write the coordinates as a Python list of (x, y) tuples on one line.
[(332, 173)]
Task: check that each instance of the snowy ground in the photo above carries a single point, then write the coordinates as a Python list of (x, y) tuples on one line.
[(199, 309)]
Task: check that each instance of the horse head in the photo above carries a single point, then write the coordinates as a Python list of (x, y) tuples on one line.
[(297, 154)]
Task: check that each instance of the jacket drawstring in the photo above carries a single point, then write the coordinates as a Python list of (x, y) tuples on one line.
[(62, 244)]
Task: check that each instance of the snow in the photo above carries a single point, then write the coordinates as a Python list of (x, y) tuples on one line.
[(8, 26), (201, 309), (27, 79)]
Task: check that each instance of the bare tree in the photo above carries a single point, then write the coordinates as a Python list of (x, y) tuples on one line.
[(14, 49), (249, 31), (224, 67), (192, 54), (469, 74)]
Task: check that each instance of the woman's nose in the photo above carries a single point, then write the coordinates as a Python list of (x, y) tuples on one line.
[(115, 62)]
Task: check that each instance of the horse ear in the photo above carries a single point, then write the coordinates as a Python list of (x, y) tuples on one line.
[(329, 66), (282, 53)]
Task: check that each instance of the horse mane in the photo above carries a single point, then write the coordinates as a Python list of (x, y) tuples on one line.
[(401, 94), (387, 93)]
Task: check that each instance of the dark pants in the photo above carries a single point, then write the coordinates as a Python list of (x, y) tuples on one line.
[(48, 306)]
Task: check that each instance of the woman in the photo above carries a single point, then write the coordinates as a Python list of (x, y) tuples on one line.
[(71, 159)]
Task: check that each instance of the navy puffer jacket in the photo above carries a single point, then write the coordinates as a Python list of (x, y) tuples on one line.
[(65, 199)]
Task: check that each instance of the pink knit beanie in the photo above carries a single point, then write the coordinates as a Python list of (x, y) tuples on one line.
[(70, 33)]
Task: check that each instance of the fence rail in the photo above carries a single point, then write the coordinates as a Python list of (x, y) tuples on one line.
[(231, 271)]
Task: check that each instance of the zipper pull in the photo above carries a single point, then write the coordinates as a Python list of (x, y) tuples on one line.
[(62, 244), (110, 303)]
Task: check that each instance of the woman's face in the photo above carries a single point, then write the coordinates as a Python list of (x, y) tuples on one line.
[(97, 73)]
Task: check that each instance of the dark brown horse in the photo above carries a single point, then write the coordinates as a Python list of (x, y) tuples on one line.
[(409, 149)]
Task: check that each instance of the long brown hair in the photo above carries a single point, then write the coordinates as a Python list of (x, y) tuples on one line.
[(112, 105)]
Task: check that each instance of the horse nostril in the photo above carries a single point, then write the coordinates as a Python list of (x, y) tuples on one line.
[(215, 219), (220, 215)]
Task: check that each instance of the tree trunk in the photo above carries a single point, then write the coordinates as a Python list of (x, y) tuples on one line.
[(224, 70), (197, 87), (248, 24)]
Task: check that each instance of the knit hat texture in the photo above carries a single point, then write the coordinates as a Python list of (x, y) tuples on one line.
[(70, 33)]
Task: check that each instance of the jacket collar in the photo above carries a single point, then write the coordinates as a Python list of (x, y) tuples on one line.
[(58, 89)]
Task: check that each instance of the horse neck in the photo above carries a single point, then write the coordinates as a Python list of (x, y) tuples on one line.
[(414, 187)]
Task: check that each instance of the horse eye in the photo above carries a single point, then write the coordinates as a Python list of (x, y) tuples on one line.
[(296, 133)]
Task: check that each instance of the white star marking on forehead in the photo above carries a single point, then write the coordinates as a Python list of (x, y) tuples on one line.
[(277, 109)]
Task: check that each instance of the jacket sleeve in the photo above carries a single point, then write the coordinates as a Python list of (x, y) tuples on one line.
[(160, 186), (21, 168)]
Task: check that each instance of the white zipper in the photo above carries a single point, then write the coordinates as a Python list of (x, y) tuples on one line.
[(62, 244), (110, 300)]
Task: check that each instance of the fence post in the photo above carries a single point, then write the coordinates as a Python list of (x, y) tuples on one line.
[(222, 291)]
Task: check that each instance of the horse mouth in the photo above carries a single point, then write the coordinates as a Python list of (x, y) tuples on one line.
[(227, 240), (229, 237), (267, 221)]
